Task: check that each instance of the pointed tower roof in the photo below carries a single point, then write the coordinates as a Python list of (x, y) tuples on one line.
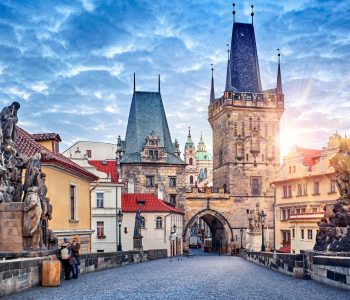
[(212, 91), (189, 143), (228, 86), (147, 114), (244, 64), (279, 90)]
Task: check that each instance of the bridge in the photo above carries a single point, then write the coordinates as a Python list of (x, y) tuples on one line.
[(198, 277)]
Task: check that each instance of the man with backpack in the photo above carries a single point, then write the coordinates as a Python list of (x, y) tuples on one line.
[(66, 254)]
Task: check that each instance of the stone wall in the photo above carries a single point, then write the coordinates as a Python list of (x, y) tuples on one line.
[(289, 264), (20, 274), (328, 268)]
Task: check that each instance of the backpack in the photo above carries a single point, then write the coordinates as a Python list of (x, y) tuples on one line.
[(65, 253)]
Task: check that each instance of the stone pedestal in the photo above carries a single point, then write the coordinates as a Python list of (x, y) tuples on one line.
[(138, 243), (11, 224), (254, 241)]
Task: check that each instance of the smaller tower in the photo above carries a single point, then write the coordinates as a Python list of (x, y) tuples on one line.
[(279, 90), (212, 90), (190, 159)]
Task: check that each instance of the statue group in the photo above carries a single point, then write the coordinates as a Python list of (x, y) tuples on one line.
[(254, 219), (334, 227), (32, 190)]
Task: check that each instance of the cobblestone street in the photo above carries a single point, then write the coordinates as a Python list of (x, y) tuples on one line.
[(199, 277)]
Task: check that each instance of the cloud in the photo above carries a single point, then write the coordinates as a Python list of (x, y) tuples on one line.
[(70, 63)]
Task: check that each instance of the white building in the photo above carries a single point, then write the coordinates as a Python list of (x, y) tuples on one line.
[(105, 196), (92, 150), (158, 220)]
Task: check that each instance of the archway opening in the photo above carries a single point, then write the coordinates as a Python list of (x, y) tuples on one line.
[(207, 232)]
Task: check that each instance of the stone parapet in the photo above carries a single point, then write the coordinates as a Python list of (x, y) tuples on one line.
[(19, 274)]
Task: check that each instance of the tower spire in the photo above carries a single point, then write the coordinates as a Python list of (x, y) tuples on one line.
[(234, 12), (134, 83), (158, 83), (212, 91), (228, 86), (252, 14), (279, 90)]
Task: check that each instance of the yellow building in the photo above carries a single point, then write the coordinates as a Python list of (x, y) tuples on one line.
[(304, 185), (68, 187)]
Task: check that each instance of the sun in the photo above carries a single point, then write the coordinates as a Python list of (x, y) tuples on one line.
[(288, 139)]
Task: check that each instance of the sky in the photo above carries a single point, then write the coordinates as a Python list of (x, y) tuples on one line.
[(70, 63)]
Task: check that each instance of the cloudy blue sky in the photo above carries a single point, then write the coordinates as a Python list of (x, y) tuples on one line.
[(70, 63)]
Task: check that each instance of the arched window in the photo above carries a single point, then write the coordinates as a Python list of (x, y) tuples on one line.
[(143, 222), (191, 179), (190, 161), (159, 222), (225, 188), (205, 172)]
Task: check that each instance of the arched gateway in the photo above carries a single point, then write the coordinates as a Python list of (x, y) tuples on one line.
[(219, 227)]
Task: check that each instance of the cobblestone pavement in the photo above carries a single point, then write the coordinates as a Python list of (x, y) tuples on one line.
[(199, 277)]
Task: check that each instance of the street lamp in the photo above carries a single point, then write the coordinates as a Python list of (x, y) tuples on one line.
[(119, 155), (120, 219), (172, 242), (262, 216), (241, 238)]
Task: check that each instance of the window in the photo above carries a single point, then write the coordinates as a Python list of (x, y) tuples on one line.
[(293, 233), (305, 189), (159, 222), (332, 187), (88, 153), (294, 169), (316, 188), (191, 179), (73, 202), (285, 192), (172, 181), (314, 209), (256, 186), (172, 199), (143, 222), (247, 157), (285, 237), (303, 210), (100, 230), (297, 211), (284, 214), (300, 189), (302, 234), (149, 181), (190, 161), (309, 234), (290, 191), (99, 200)]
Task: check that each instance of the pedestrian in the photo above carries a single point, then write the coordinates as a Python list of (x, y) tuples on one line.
[(65, 258), (75, 259)]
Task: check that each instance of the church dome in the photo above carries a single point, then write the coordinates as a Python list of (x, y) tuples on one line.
[(206, 156)]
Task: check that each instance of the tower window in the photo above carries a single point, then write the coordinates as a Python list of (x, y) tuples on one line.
[(256, 186), (247, 156), (190, 161), (149, 181), (191, 179)]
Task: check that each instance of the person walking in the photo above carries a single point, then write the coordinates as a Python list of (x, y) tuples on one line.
[(65, 258), (75, 259)]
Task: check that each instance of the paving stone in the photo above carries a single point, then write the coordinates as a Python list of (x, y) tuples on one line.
[(198, 277)]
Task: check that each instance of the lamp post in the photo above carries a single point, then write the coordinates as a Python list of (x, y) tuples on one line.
[(172, 233), (241, 231), (119, 155), (262, 216), (120, 219)]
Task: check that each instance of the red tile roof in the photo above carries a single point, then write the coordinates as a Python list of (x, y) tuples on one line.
[(40, 137), (310, 155), (27, 145), (152, 204), (106, 166), (284, 249)]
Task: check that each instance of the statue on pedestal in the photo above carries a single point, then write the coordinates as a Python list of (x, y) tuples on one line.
[(334, 227)]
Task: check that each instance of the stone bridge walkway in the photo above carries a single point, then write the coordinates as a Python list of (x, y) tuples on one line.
[(199, 277)]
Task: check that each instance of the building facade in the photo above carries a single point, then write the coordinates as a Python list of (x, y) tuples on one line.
[(161, 227), (68, 187), (245, 121), (305, 185), (199, 169), (92, 150), (105, 194), (150, 161)]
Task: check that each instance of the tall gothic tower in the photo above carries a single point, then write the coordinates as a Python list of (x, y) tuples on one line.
[(246, 124)]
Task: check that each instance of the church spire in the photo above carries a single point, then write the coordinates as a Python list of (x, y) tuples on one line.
[(189, 142), (212, 91), (279, 90)]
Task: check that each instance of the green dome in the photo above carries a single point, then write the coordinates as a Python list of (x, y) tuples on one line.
[(203, 156)]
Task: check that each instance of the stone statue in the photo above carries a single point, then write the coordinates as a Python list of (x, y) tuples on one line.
[(254, 219), (33, 171), (31, 220), (138, 222), (8, 118), (334, 232)]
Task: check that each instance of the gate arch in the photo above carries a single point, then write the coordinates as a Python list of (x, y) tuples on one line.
[(213, 215)]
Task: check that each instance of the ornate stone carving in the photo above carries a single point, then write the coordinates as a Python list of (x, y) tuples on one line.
[(254, 219), (334, 227)]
